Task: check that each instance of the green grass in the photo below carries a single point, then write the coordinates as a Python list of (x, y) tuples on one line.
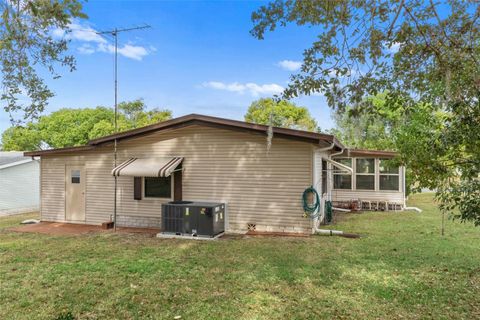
[(401, 268)]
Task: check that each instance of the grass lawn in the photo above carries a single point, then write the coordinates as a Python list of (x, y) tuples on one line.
[(402, 268)]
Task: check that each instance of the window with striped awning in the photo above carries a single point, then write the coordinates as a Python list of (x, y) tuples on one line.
[(148, 167)]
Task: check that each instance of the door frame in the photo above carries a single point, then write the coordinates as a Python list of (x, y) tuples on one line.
[(66, 176)]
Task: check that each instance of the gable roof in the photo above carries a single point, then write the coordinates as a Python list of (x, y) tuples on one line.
[(12, 158), (320, 139)]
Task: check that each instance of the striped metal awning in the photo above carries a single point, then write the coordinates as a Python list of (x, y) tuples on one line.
[(150, 167)]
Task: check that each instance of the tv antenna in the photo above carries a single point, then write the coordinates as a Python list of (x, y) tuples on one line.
[(115, 33)]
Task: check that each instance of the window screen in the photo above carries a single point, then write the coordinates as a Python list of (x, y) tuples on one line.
[(75, 176), (365, 182), (386, 166), (365, 165), (389, 175), (342, 180), (158, 187), (365, 174), (389, 182)]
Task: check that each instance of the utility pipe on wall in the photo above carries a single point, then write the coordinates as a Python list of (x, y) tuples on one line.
[(340, 165), (324, 232), (316, 220)]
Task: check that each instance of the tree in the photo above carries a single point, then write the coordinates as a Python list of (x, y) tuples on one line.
[(134, 112), (74, 127), (280, 114), (425, 55), (27, 46), (71, 127), (21, 138), (368, 130)]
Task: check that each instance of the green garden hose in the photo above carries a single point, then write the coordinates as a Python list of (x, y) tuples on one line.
[(311, 210)]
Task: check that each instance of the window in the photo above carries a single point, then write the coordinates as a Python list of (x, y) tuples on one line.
[(365, 174), (75, 176), (389, 175), (158, 187), (341, 179)]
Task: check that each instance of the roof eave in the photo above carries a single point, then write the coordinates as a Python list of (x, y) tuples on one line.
[(16, 163), (367, 153), (195, 119), (56, 151)]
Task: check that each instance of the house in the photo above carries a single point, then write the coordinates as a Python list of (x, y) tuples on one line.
[(205, 158), (19, 183)]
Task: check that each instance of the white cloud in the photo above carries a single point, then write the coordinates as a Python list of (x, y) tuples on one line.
[(250, 87), (86, 49), (93, 42), (290, 65), (79, 32), (85, 33), (128, 50)]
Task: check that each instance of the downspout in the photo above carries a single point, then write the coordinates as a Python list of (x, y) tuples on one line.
[(405, 194), (316, 220), (404, 177), (333, 232), (338, 153), (329, 195), (326, 148)]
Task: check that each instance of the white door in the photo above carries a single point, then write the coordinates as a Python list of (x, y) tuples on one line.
[(75, 193)]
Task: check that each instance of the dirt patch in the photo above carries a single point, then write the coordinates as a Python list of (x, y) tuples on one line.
[(276, 234), (57, 228)]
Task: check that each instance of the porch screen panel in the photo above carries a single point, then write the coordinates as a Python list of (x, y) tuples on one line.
[(365, 174), (342, 179), (389, 175)]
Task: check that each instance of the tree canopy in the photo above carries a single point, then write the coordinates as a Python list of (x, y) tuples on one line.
[(28, 49), (369, 130), (280, 114), (424, 54), (74, 127)]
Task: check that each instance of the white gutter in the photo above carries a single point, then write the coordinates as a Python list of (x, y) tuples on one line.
[(338, 153), (326, 148)]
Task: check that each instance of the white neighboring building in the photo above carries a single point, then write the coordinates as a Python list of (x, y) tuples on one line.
[(19, 183)]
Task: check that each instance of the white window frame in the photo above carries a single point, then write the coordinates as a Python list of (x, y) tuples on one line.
[(374, 174), (389, 174), (172, 182)]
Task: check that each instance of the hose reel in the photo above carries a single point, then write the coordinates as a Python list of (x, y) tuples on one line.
[(311, 203)]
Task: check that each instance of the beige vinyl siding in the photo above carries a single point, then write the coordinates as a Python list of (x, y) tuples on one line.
[(259, 187), (52, 190)]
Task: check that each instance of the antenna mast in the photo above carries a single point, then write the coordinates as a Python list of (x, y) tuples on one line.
[(115, 33)]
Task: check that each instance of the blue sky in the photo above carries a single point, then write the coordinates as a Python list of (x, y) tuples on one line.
[(198, 57)]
